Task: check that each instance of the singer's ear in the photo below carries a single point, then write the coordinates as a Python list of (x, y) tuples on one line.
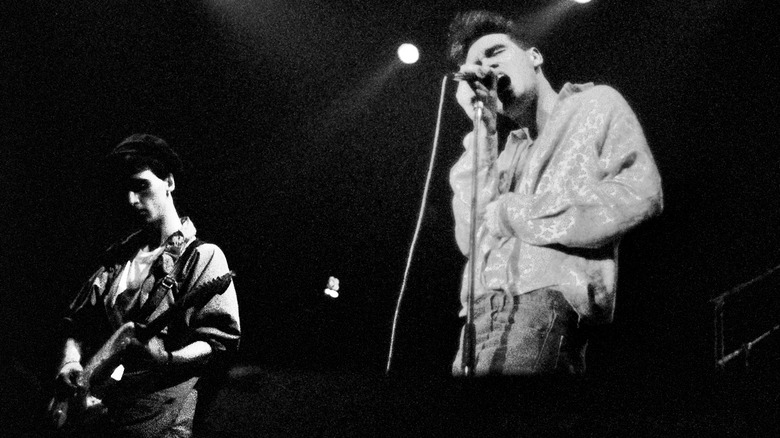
[(535, 56), (171, 183)]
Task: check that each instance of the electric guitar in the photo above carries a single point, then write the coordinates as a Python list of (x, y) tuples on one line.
[(95, 379)]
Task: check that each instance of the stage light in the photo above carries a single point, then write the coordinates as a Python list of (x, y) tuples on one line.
[(408, 53), (582, 1)]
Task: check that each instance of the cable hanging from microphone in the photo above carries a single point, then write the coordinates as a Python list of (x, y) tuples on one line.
[(418, 226)]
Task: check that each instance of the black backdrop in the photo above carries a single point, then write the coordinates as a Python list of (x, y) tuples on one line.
[(306, 145)]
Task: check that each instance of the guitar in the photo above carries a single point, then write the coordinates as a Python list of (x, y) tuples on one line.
[(95, 379)]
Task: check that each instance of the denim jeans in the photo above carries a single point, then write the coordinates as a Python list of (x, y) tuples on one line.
[(164, 413), (533, 333)]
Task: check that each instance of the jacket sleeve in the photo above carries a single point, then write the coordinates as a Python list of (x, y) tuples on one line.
[(461, 176), (610, 183), (85, 319), (217, 322)]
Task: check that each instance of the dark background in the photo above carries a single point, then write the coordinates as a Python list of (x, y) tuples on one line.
[(307, 143)]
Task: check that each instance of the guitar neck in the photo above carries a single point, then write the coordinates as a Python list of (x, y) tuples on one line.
[(109, 355), (197, 297)]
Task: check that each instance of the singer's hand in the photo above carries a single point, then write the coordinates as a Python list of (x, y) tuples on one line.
[(473, 89)]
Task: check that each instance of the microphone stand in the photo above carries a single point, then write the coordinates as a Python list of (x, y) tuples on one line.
[(468, 358)]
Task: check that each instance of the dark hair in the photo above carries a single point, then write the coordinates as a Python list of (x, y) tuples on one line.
[(468, 27), (140, 152)]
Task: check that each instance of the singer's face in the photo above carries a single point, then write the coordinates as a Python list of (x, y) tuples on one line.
[(502, 55)]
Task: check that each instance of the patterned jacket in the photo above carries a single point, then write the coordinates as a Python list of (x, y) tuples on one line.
[(99, 310), (551, 212)]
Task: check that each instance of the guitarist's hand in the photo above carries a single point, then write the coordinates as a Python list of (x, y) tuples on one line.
[(69, 375), (152, 353)]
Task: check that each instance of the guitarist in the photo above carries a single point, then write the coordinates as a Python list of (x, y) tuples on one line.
[(157, 393)]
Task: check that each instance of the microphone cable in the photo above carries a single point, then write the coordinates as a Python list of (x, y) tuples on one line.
[(418, 227)]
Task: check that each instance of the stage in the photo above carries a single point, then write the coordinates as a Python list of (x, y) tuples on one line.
[(306, 145), (328, 403)]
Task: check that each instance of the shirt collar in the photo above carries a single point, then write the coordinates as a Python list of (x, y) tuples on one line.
[(175, 244), (180, 237), (567, 90)]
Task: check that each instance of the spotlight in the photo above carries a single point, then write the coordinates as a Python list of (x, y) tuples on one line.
[(408, 53), (582, 1)]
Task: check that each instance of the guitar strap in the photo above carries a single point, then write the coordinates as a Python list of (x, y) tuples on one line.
[(171, 282)]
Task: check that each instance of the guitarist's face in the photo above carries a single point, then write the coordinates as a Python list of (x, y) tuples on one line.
[(149, 196)]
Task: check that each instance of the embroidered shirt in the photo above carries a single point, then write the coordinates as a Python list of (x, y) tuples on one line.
[(551, 212)]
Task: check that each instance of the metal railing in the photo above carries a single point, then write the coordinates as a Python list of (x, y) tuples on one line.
[(746, 316)]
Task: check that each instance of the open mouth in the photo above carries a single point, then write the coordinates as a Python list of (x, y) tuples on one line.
[(504, 88)]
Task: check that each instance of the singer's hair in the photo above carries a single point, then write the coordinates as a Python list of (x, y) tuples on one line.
[(468, 27), (140, 152)]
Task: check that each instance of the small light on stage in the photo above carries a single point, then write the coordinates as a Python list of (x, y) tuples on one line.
[(408, 53), (332, 290)]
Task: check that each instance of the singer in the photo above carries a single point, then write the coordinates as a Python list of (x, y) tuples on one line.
[(138, 279), (555, 196)]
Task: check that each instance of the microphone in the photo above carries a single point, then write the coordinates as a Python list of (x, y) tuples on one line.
[(471, 76), (489, 80)]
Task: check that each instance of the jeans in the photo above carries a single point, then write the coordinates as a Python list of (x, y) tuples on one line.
[(533, 333), (164, 413)]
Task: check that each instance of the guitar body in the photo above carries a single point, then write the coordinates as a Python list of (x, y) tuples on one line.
[(72, 407), (98, 369), (76, 406), (69, 409)]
